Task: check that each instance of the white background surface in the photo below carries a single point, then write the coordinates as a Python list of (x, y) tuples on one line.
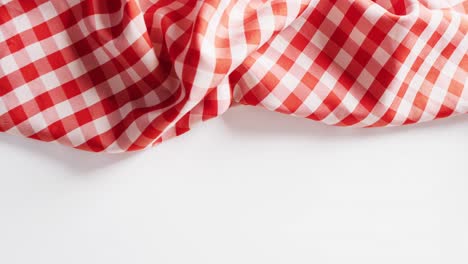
[(249, 187)]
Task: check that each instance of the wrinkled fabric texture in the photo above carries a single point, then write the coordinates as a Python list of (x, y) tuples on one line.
[(123, 75)]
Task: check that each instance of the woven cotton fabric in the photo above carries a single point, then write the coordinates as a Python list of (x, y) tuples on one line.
[(123, 75)]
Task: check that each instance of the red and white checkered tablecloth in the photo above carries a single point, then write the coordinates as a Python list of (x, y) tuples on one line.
[(123, 75)]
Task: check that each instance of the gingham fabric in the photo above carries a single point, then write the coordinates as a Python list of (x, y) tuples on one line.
[(123, 75)]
